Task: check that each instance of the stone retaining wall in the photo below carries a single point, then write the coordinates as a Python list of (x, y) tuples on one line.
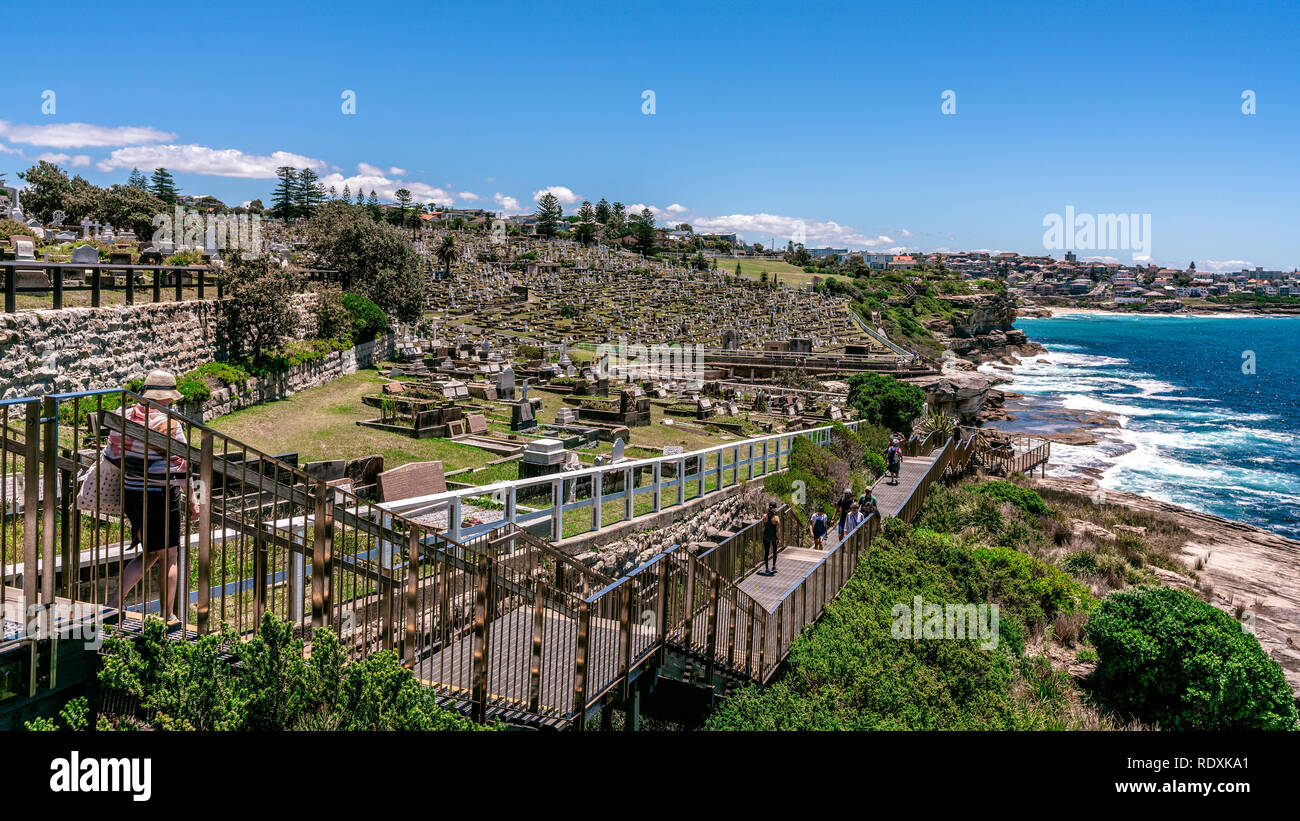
[(81, 349), (298, 378)]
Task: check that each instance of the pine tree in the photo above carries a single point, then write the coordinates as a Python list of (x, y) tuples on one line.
[(373, 205), (361, 196), (283, 205), (307, 193), (163, 187), (617, 225), (586, 228), (602, 211), (138, 180), (333, 193), (549, 213), (347, 194), (643, 229), (403, 197)]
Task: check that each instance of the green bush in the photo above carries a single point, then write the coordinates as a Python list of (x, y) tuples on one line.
[(883, 400), (1170, 658), (226, 373), (195, 686), (333, 319), (187, 257), (368, 319), (1022, 497), (849, 672)]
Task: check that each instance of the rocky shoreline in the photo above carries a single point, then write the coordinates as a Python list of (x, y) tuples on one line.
[(1243, 570)]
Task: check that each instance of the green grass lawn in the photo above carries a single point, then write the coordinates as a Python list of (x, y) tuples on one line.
[(752, 268), (320, 423)]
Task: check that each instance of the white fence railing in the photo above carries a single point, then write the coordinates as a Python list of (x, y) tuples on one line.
[(668, 480)]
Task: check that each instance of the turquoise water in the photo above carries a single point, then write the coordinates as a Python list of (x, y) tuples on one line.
[(1195, 429)]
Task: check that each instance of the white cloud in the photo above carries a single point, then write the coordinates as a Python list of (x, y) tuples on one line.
[(509, 205), (80, 135), (676, 208), (4, 149), (397, 172), (200, 159), (373, 178), (817, 234), (1225, 264), (564, 195), (468, 195), (78, 161)]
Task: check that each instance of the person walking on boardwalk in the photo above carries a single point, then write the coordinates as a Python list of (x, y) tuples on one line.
[(818, 524), (868, 503), (155, 488), (771, 533), (894, 459), (856, 517), (842, 508)]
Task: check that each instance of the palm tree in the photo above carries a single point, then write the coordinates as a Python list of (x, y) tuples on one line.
[(446, 252)]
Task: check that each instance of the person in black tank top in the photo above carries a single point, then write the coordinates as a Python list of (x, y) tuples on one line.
[(771, 531)]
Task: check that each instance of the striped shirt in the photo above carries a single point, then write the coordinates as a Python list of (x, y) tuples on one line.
[(136, 460)]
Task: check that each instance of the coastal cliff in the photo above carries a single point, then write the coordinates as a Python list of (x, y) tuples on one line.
[(981, 328)]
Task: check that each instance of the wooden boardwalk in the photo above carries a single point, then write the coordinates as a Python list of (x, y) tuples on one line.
[(891, 498), (793, 565)]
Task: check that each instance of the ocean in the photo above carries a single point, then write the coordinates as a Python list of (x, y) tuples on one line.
[(1195, 427)]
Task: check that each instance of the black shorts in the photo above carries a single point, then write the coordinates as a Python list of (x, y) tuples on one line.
[(164, 525)]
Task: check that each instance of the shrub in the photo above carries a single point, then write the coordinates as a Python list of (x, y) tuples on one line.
[(368, 319), (883, 400), (1022, 497), (224, 372), (849, 672), (12, 228), (259, 315), (186, 257), (194, 686), (333, 319), (1170, 658)]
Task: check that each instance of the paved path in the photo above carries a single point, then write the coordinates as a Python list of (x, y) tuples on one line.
[(792, 565)]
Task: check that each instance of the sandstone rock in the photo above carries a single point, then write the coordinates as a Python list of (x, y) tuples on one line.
[(1081, 527)]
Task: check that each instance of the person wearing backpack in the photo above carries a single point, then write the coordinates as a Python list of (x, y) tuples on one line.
[(894, 459), (818, 524)]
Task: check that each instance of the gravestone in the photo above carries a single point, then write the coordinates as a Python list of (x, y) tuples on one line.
[(565, 416), (477, 424), (506, 384), (85, 254), (329, 471), (341, 487), (415, 479), (521, 416), (364, 471), (24, 247), (618, 450)]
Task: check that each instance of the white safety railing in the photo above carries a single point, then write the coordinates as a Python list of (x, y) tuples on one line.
[(668, 480)]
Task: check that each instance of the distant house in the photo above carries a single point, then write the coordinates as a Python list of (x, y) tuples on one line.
[(902, 263)]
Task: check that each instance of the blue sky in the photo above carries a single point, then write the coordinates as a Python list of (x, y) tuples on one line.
[(767, 116)]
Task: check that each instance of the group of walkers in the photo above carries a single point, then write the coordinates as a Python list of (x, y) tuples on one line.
[(849, 512)]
